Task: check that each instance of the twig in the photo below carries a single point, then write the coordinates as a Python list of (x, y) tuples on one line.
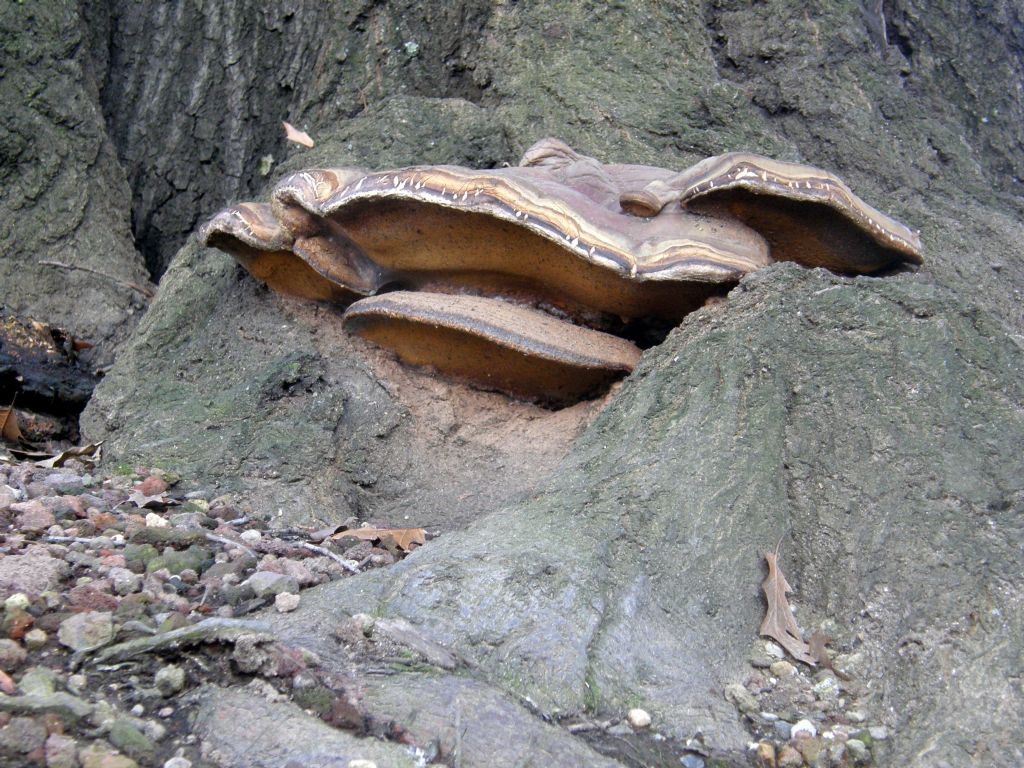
[(147, 292), (231, 543), (81, 540), (333, 555)]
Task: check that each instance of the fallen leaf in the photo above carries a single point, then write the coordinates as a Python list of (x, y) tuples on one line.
[(296, 136), (779, 623), (9, 429), (78, 344), (141, 500), (87, 454), (407, 539), (817, 642)]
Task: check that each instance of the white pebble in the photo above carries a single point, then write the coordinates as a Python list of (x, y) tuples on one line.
[(178, 762), (285, 602), (774, 650), (361, 764), (250, 536), (639, 718), (803, 728), (77, 682), (19, 601), (153, 520)]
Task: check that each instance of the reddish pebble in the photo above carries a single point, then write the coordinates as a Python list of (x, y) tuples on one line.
[(7, 684), (18, 623), (152, 486), (87, 597), (102, 520), (113, 559), (75, 505)]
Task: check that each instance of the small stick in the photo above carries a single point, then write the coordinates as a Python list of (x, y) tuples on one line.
[(147, 292), (79, 540), (333, 555)]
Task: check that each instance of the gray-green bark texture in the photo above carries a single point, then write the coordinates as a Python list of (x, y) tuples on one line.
[(63, 196), (592, 560)]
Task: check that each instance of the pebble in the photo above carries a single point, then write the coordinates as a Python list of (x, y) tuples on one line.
[(33, 517), (742, 698), (361, 764), (38, 681), (169, 680), (286, 602), (774, 650), (19, 601), (639, 719), (765, 754), (64, 481), (61, 751), (783, 730), (788, 757), (782, 669), (878, 732), (189, 520), (126, 737), (34, 572), (178, 762), (12, 655), (857, 750), (86, 631), (22, 734), (154, 520), (251, 536), (96, 755), (77, 682), (265, 584), (804, 728), (826, 689), (124, 581), (692, 761)]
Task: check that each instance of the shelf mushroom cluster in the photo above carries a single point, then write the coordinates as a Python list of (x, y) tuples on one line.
[(523, 279)]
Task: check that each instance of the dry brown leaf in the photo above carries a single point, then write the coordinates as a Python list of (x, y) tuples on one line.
[(779, 623), (817, 642), (406, 539), (9, 429), (87, 454), (141, 500), (296, 136)]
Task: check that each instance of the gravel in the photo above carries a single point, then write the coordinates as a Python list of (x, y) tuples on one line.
[(86, 571)]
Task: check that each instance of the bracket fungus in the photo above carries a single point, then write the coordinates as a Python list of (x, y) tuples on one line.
[(536, 279)]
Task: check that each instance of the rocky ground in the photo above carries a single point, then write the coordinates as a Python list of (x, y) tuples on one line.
[(125, 594)]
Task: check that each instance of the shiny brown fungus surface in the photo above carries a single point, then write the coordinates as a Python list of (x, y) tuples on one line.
[(494, 344), (493, 275)]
